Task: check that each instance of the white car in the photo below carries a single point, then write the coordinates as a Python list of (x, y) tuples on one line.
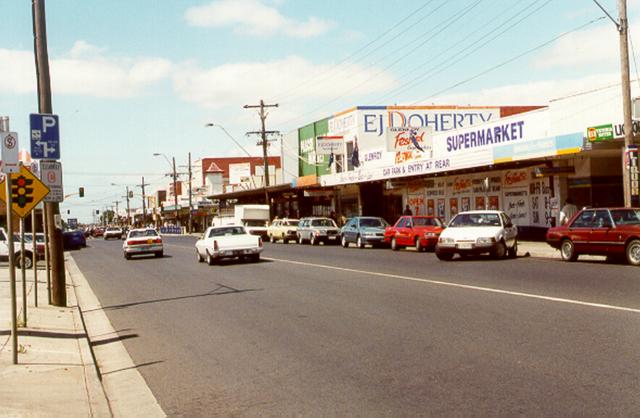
[(283, 229), (113, 232), (142, 241), (478, 232), (232, 241)]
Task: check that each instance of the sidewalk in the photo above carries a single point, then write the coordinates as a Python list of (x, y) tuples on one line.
[(55, 375)]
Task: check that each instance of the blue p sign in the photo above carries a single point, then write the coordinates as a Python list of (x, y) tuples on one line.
[(45, 136)]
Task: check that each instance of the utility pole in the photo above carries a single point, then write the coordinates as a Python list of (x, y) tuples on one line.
[(623, 26), (144, 208), (117, 211), (52, 209), (128, 212), (190, 197), (175, 191), (265, 144)]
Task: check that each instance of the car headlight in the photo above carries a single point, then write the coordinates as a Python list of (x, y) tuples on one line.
[(446, 240), (430, 234), (486, 240)]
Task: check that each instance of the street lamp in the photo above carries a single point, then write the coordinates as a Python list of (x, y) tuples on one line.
[(175, 187)]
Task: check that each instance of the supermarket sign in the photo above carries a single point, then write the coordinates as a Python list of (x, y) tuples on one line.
[(600, 133)]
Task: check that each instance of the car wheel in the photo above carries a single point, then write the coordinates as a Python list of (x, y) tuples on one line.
[(127, 256), (159, 254), (199, 257), (255, 258), (210, 260), (394, 244), (419, 247), (513, 251), (444, 256), (344, 242), (500, 250), (633, 252), (568, 250), (28, 263), (359, 242), (300, 240), (272, 239), (313, 240)]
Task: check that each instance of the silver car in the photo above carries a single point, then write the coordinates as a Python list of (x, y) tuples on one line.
[(316, 229)]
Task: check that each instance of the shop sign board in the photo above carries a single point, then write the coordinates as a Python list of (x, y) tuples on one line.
[(631, 164), (239, 171), (326, 145), (600, 133)]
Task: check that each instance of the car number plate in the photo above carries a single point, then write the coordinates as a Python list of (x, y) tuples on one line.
[(333, 237), (465, 246)]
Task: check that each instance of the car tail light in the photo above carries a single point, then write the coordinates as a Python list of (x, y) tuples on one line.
[(215, 246), (157, 241), (131, 242)]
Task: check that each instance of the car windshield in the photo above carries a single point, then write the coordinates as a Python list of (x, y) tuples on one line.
[(475, 219), (322, 222), (255, 222), (291, 223), (231, 230), (626, 216), (426, 222), (145, 233), (372, 223), (27, 238)]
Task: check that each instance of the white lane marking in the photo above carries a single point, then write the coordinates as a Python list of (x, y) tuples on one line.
[(464, 286)]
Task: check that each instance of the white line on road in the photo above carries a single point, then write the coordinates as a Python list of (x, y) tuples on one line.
[(463, 286)]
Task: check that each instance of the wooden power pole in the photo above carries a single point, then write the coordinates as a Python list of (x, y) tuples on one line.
[(52, 209)]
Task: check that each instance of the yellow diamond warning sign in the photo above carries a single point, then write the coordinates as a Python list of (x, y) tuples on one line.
[(26, 191)]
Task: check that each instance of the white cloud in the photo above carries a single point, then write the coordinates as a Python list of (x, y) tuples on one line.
[(240, 83), (85, 71), (253, 17)]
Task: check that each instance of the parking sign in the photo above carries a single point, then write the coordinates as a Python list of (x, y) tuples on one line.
[(45, 136)]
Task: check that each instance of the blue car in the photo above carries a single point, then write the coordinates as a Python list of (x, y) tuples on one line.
[(363, 230), (74, 239)]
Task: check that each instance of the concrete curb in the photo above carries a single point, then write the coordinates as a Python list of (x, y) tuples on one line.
[(127, 392)]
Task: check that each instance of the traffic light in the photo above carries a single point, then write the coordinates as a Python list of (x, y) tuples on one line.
[(97, 211), (68, 211), (21, 193), (81, 192)]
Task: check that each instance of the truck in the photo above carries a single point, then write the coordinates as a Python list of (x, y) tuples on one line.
[(254, 218), (28, 249)]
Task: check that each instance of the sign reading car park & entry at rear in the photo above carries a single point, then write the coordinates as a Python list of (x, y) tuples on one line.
[(45, 136)]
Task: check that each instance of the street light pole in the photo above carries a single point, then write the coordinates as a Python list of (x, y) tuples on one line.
[(623, 26), (175, 191), (190, 196)]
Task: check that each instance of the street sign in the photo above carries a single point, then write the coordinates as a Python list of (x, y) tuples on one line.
[(9, 152), (45, 136), (600, 133), (51, 176), (26, 192)]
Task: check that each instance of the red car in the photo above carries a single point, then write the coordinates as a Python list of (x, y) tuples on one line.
[(614, 232), (421, 232)]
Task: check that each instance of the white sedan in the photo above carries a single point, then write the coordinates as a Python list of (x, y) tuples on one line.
[(143, 241), (477, 232), (231, 241)]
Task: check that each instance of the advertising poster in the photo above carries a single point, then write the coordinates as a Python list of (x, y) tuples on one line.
[(465, 204), (516, 205), (494, 202), (416, 203), (441, 203), (431, 207), (453, 206), (479, 202)]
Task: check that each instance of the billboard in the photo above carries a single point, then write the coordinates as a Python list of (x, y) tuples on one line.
[(239, 171)]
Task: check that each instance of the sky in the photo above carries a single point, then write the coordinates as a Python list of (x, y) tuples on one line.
[(134, 78)]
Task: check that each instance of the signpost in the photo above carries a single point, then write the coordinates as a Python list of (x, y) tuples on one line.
[(9, 152), (45, 136), (25, 193)]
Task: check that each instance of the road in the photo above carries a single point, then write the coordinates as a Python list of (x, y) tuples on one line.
[(327, 331)]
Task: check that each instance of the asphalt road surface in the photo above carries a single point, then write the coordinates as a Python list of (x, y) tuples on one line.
[(327, 331)]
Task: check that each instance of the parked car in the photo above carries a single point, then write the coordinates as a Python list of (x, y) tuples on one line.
[(232, 241), (142, 241), (421, 232), (73, 239), (614, 232), (478, 232), (283, 229), (363, 230), (17, 254), (113, 232), (97, 232), (316, 229)]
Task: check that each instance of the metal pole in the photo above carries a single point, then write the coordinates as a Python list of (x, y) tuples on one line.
[(4, 126), (52, 210), (128, 211), (175, 192), (23, 274), (47, 255), (35, 257), (144, 208), (190, 197), (626, 95)]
